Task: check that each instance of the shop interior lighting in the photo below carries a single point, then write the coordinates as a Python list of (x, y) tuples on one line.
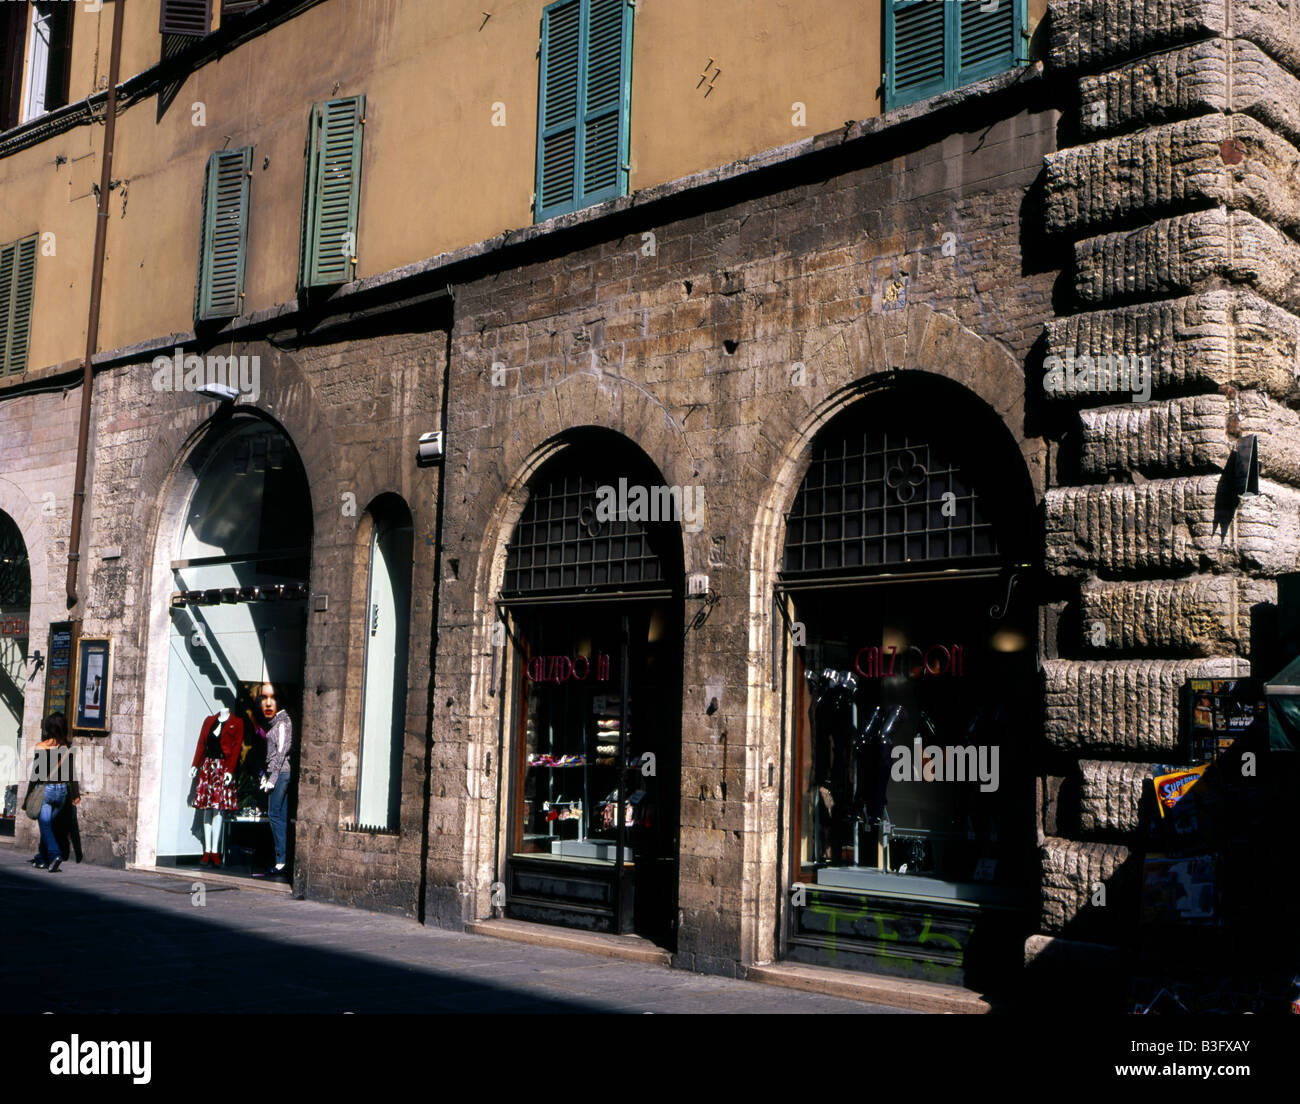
[(290, 592)]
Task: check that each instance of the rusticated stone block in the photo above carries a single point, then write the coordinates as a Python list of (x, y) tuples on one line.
[(1089, 34), (1190, 434), (1184, 254), (1230, 160), (1217, 75), (1202, 615), (1216, 338), (1110, 794), (1171, 525), (1123, 705), (1072, 872), (1181, 435)]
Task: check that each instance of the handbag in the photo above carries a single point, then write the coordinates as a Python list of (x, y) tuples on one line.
[(34, 800)]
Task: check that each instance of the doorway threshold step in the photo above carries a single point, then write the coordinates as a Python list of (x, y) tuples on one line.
[(211, 877), (901, 993), (630, 947)]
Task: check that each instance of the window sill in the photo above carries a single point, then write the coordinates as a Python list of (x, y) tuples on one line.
[(369, 830)]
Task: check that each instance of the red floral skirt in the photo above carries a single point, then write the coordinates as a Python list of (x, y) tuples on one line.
[(212, 793)]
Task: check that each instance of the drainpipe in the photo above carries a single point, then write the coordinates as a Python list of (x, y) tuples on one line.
[(96, 288)]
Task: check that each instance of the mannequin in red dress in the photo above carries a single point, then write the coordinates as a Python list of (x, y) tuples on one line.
[(215, 759)]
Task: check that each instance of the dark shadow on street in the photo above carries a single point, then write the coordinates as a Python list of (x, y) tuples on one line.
[(86, 952)]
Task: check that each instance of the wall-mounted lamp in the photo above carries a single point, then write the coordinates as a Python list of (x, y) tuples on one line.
[(218, 391), (429, 450), (1245, 466)]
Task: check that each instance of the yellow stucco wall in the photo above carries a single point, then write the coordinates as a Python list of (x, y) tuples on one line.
[(437, 173)]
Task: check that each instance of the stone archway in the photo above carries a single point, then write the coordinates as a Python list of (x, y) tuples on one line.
[(472, 575), (866, 357)]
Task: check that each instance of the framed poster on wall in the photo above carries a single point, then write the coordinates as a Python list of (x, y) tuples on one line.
[(58, 676), (91, 689)]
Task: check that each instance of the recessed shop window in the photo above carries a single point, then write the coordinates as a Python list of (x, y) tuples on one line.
[(15, 610), (238, 613), (387, 629), (931, 47), (912, 678), (584, 101), (592, 602)]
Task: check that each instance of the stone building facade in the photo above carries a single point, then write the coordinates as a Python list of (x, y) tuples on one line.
[(1134, 194)]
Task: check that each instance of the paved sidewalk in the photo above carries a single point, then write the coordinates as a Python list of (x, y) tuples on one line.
[(101, 940)]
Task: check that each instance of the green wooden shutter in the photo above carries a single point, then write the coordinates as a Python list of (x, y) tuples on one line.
[(333, 192), (987, 40), (916, 39), (185, 17), (584, 101), (223, 242), (607, 52), (311, 157), (935, 45), (557, 137), (8, 254), (17, 293)]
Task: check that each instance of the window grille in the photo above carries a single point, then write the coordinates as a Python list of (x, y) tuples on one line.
[(876, 499), (562, 544)]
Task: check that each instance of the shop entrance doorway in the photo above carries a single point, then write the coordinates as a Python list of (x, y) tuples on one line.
[(238, 604), (593, 606), (906, 589), (15, 610)]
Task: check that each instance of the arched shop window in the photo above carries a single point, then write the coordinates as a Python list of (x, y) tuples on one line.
[(15, 609), (238, 618), (388, 622), (904, 584), (592, 597)]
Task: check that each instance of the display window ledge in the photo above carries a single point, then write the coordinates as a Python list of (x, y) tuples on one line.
[(910, 887), (575, 860)]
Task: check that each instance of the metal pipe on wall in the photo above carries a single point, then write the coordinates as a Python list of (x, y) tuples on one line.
[(92, 321)]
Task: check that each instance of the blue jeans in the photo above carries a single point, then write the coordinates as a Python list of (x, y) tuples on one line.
[(56, 795), (278, 810)]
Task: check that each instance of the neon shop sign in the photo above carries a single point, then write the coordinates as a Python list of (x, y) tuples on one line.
[(936, 661), (561, 668), (13, 626)]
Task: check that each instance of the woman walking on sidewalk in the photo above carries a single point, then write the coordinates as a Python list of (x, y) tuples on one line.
[(53, 769)]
